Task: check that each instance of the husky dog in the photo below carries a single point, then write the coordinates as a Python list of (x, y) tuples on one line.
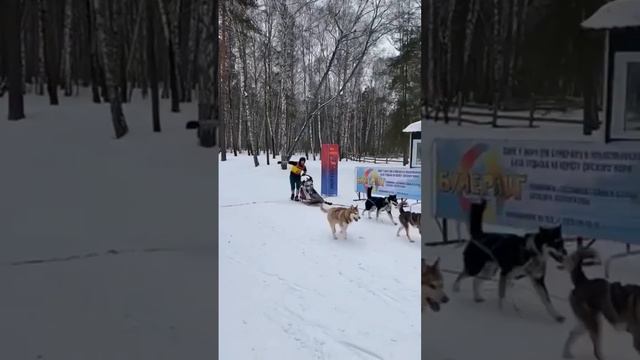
[(408, 219), (432, 286), (342, 216), (513, 255), (618, 304), (379, 204)]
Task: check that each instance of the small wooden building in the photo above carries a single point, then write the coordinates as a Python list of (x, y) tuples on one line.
[(621, 21), (415, 139)]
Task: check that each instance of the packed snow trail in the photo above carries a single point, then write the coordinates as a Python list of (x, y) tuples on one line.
[(83, 220), (522, 330), (288, 290)]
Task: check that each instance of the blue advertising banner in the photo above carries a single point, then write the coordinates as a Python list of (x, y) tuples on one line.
[(329, 159), (592, 190), (403, 182)]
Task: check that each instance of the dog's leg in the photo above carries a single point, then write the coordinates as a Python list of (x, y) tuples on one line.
[(406, 229), (377, 214), (398, 232), (391, 217), (609, 312), (477, 287), (543, 293), (333, 231), (461, 276), (574, 335), (593, 326), (502, 288)]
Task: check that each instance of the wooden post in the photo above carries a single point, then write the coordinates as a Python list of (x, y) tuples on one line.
[(445, 231), (532, 110), (494, 116), (459, 108)]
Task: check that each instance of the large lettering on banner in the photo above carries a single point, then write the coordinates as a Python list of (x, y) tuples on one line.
[(329, 158), (403, 182), (592, 190)]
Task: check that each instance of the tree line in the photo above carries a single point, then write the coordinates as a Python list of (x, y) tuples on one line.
[(163, 48), (503, 52), (297, 74)]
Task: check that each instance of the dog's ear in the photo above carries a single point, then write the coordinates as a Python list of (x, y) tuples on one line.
[(436, 264), (424, 265)]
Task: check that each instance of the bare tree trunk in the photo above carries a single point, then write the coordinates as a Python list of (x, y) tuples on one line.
[(223, 76), (472, 16), (93, 57), (49, 64), (448, 96), (41, 78), (108, 42), (497, 57), (429, 28), (171, 48), (152, 67), (194, 30), (208, 91), (68, 22), (12, 28), (513, 48)]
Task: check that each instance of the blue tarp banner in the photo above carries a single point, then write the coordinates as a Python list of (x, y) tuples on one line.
[(592, 190), (403, 182)]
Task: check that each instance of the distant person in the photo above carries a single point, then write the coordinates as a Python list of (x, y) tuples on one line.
[(295, 176)]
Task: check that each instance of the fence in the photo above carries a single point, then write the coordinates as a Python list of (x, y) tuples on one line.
[(378, 159), (567, 111)]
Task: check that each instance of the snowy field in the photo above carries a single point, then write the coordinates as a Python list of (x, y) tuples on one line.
[(288, 290), (107, 246), (522, 330)]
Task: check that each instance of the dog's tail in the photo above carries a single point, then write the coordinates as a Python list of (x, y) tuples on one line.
[(369, 191), (475, 219), (323, 209), (574, 265)]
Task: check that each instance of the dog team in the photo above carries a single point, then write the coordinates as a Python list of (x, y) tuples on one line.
[(514, 257), (343, 216)]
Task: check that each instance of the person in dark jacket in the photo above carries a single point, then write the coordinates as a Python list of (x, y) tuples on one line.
[(295, 176)]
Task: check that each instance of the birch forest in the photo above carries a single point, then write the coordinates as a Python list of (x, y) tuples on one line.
[(291, 75), (113, 48), (296, 74), (506, 51)]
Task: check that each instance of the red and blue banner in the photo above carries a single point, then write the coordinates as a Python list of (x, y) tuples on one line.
[(329, 158)]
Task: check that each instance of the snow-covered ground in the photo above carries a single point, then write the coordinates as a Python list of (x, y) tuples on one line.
[(137, 211), (288, 290), (522, 330)]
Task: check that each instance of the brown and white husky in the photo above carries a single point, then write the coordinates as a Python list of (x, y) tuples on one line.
[(433, 286)]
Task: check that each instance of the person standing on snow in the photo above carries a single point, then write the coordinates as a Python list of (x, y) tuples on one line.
[(295, 176)]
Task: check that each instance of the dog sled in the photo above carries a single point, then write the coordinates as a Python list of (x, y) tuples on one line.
[(307, 194)]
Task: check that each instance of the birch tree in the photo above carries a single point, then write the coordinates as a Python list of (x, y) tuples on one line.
[(108, 38), (12, 28)]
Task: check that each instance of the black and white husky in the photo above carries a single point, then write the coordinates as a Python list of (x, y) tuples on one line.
[(380, 204), (514, 256)]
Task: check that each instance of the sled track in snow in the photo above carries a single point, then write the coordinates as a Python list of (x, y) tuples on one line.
[(255, 203), (110, 252)]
